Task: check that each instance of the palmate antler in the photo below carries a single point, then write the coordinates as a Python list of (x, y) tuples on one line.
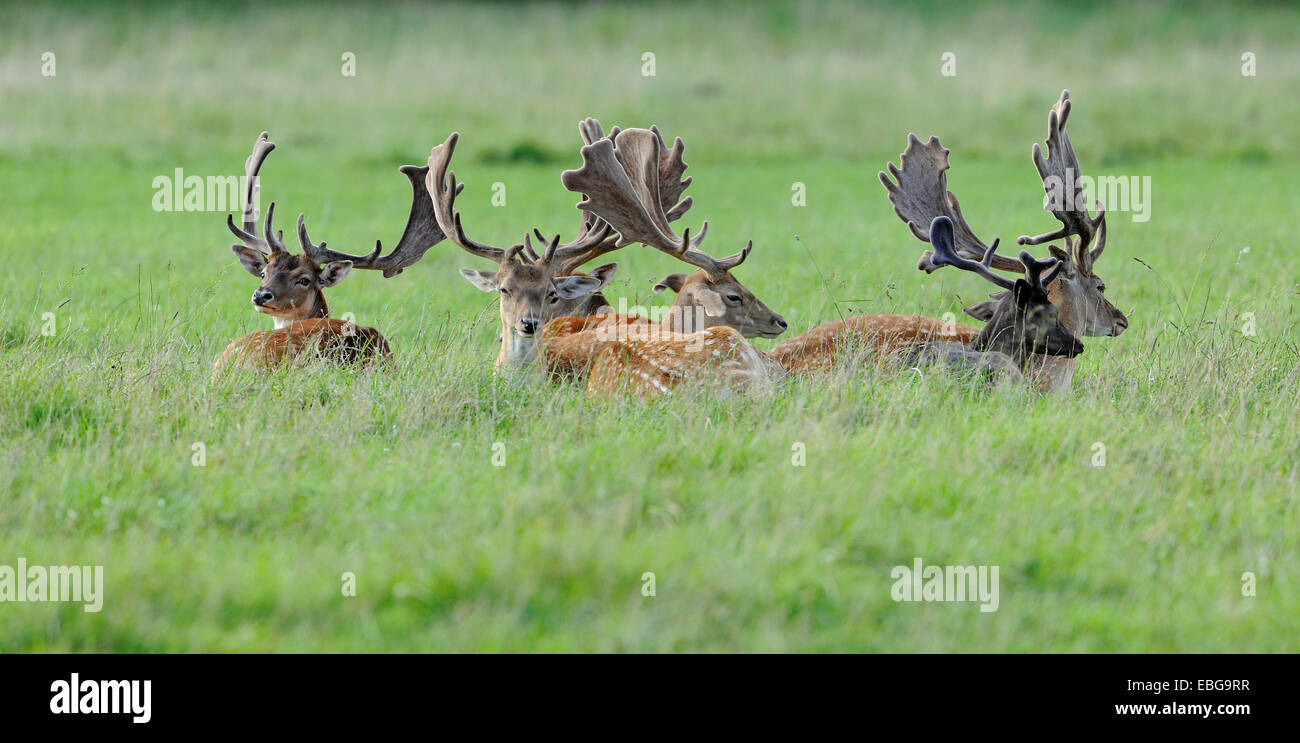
[(671, 168), (1039, 273), (1062, 182), (920, 194), (596, 239), (622, 182), (421, 232)]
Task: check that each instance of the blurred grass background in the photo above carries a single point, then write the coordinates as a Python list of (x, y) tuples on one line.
[(388, 475)]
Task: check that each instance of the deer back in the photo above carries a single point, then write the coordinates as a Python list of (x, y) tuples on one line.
[(880, 335), (326, 338)]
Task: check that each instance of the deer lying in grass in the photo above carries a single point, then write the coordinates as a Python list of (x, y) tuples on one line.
[(921, 194), (291, 289), (632, 180), (533, 288), (703, 338), (1022, 322), (292, 285)]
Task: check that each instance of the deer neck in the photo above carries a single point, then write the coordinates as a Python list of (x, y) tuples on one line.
[(1001, 337), (594, 304), (517, 350), (315, 306), (685, 318)]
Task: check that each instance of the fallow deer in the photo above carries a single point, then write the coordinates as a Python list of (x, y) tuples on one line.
[(1023, 322), (619, 184), (921, 194), (533, 288), (631, 180), (620, 181), (292, 285)]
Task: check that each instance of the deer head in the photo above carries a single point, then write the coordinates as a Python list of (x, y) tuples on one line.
[(919, 193), (533, 288), (1080, 293), (292, 284), (707, 299), (632, 181), (1024, 321)]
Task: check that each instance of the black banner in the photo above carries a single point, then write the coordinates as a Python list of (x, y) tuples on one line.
[(232, 693)]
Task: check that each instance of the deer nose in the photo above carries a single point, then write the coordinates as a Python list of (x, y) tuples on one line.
[(528, 325), (1121, 324), (780, 322), (262, 296)]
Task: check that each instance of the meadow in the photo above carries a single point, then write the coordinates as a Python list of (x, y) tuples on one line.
[(389, 475)]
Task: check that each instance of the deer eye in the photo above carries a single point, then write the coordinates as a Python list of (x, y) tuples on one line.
[(503, 291), (553, 297), (733, 298), (304, 281), (1101, 288)]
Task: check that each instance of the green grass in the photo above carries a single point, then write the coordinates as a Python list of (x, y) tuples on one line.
[(389, 475)]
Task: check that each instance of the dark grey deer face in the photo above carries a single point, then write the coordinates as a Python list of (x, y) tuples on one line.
[(1026, 322)]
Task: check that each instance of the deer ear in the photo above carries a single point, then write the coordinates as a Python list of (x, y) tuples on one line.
[(253, 261), (486, 281), (604, 274), (1067, 263), (982, 311), (333, 272), (572, 287), (712, 302), (673, 281)]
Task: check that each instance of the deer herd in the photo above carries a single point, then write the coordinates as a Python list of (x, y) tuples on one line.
[(554, 317)]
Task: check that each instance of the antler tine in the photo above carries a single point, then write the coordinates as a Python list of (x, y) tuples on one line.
[(321, 255), (252, 166), (443, 198), (671, 183), (1062, 182), (422, 230), (919, 194), (731, 261), (1034, 269), (248, 239), (525, 251), (1101, 235), (597, 239), (591, 130), (528, 246), (945, 254), (273, 238), (550, 249), (515, 251)]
